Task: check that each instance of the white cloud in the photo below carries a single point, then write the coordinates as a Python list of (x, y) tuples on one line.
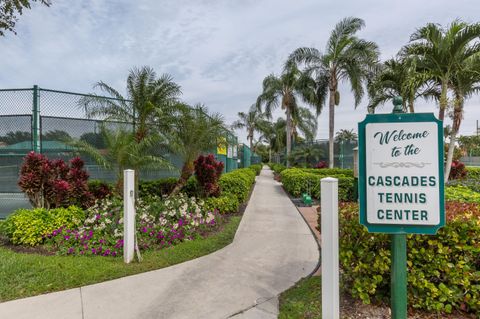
[(219, 51)]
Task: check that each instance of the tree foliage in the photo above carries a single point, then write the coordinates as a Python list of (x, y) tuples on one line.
[(10, 9)]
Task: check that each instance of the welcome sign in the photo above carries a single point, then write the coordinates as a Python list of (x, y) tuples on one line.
[(401, 183)]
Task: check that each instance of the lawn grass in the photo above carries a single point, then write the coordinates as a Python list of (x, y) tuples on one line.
[(302, 301), (23, 275)]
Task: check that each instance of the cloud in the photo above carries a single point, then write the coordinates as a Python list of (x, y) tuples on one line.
[(218, 51)]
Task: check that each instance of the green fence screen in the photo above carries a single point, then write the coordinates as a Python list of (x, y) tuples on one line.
[(40, 119)]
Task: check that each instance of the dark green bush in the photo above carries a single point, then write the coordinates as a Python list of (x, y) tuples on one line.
[(443, 270), (298, 181), (100, 189), (224, 204), (473, 173), (30, 226), (157, 187)]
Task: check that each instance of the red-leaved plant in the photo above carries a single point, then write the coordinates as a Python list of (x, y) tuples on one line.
[(208, 172), (321, 164), (457, 170), (53, 183)]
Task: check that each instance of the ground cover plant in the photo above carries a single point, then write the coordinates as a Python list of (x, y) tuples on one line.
[(443, 270)]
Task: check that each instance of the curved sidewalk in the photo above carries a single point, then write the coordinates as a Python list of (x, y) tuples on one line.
[(273, 248)]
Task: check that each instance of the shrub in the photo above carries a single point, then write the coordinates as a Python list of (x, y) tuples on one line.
[(99, 189), (224, 204), (298, 181), (30, 226), (277, 168), (208, 171), (257, 168), (473, 173), (457, 170), (442, 269), (157, 187), (237, 183), (461, 194), (51, 184)]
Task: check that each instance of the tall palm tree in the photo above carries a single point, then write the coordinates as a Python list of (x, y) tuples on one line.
[(250, 121), (193, 131), (346, 58), (149, 103), (440, 52), (400, 77), (285, 91), (465, 83)]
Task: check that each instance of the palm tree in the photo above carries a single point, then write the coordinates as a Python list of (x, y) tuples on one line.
[(465, 83), (304, 121), (346, 58), (400, 77), (149, 103), (440, 52), (123, 151), (250, 121), (193, 132), (346, 136), (274, 134), (284, 91)]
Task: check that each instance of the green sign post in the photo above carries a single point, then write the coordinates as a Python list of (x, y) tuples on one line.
[(401, 188)]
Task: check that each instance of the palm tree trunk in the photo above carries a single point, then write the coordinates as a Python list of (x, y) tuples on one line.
[(187, 172), (443, 101), (457, 118), (331, 128), (270, 154), (410, 107), (250, 138), (289, 136)]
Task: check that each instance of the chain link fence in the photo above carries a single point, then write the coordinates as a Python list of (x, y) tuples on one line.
[(42, 120)]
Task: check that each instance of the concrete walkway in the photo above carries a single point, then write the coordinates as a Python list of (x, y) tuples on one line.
[(273, 248)]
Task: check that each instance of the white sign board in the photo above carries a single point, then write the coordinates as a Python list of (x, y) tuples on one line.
[(402, 174)]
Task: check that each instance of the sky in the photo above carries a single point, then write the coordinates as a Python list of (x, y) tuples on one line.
[(218, 51)]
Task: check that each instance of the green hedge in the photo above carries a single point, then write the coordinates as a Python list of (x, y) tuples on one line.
[(30, 226), (224, 204), (297, 181), (277, 168), (329, 171), (443, 270), (238, 183), (257, 168)]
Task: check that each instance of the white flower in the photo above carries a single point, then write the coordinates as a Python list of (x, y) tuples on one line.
[(120, 221)]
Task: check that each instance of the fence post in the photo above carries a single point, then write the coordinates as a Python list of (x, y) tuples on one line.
[(36, 120), (329, 243), (128, 215)]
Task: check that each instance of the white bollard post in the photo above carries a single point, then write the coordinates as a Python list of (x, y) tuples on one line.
[(329, 243), (128, 215)]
